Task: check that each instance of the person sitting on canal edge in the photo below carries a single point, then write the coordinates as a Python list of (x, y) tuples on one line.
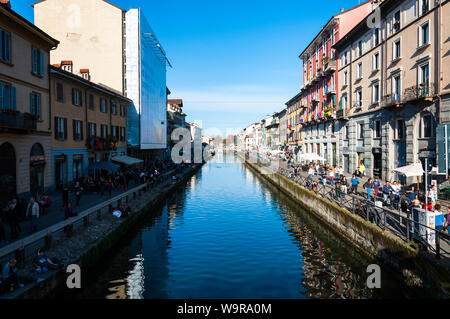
[(43, 264), (10, 277)]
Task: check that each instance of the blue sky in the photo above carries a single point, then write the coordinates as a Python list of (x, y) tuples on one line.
[(234, 61)]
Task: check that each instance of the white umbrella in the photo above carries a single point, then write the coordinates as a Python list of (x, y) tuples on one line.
[(414, 170), (311, 157)]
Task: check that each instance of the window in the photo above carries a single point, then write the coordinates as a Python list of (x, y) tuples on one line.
[(5, 46), (396, 22), (396, 87), (360, 130), (35, 104), (91, 102), (103, 130), (424, 78), (424, 7), (7, 97), (114, 131), (344, 102), (77, 98), (103, 105), (38, 62), (92, 129), (396, 50), (60, 128), (377, 129), (346, 132), (122, 134), (376, 61), (358, 98), (359, 71), (345, 78), (359, 49), (424, 34), (426, 126), (122, 110), (375, 92), (376, 36), (345, 57), (113, 108), (59, 92), (400, 130), (77, 130)]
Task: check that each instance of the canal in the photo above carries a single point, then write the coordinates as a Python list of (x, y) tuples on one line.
[(226, 234)]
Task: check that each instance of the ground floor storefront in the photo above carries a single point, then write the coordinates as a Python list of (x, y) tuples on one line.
[(25, 168)]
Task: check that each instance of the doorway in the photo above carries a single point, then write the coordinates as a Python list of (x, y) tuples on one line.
[(7, 172)]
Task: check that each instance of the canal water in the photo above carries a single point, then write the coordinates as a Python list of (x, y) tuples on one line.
[(226, 234)]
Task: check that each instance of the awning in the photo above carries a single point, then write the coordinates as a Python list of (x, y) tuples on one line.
[(413, 170), (311, 157), (107, 166), (127, 160)]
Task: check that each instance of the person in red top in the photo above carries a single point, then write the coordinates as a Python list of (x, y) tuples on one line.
[(430, 205)]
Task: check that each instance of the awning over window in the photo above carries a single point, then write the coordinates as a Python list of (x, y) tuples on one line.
[(107, 166), (127, 160)]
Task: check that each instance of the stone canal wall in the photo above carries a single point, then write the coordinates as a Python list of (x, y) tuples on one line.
[(378, 245), (90, 251)]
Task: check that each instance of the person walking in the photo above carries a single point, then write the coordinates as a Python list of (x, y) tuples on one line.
[(368, 186), (331, 174), (354, 182), (387, 191), (13, 219), (65, 195), (33, 212), (78, 189), (376, 187)]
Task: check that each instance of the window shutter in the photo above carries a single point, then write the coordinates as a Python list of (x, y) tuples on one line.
[(35, 60), (81, 130), (56, 128), (41, 63), (80, 97), (2, 90), (73, 96), (1, 45), (13, 98), (38, 105), (65, 129), (74, 130), (32, 108), (7, 48)]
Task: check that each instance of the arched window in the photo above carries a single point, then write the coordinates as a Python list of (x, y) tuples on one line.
[(37, 153)]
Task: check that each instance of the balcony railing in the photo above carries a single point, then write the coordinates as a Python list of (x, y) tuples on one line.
[(15, 120), (341, 115), (391, 100), (419, 92)]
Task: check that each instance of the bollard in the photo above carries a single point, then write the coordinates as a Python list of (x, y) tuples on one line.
[(48, 241), (86, 221), (19, 256)]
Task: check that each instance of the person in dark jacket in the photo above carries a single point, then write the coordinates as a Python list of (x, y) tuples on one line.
[(387, 191), (68, 213), (13, 219), (65, 195)]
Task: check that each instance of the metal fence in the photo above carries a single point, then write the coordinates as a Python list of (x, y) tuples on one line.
[(25, 249), (408, 226)]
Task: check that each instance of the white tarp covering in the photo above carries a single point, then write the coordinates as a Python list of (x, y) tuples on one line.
[(127, 160), (413, 170)]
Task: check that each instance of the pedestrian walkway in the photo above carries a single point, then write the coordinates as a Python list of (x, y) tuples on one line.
[(55, 213)]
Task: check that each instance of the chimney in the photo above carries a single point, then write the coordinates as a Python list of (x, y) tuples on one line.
[(5, 3), (85, 74), (342, 9), (67, 66)]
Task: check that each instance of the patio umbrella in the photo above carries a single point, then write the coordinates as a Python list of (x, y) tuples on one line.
[(414, 170)]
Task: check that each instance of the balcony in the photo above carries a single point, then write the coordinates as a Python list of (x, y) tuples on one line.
[(341, 115), (419, 93), (330, 66), (315, 99), (330, 91), (11, 120), (391, 101)]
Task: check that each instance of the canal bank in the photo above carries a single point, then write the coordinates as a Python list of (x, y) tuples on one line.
[(100, 240), (403, 258)]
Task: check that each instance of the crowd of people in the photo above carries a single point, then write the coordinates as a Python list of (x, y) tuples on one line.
[(385, 194)]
